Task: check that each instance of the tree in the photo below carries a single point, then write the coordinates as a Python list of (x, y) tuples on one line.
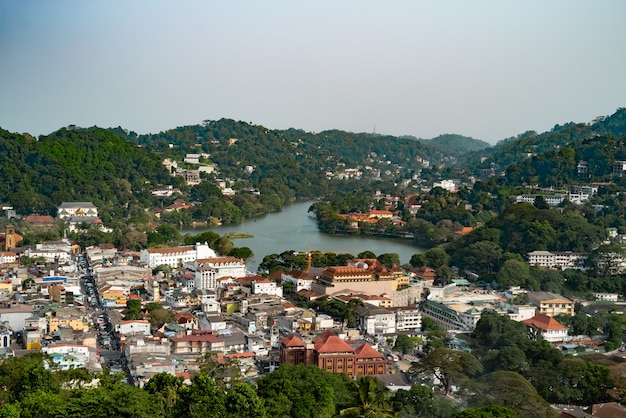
[(436, 257), (303, 391), (540, 202), (510, 390), (241, 252), (166, 389), (490, 411), (513, 273), (443, 275), (370, 400), (242, 401), (201, 399), (134, 240), (448, 365), (389, 259), (404, 344)]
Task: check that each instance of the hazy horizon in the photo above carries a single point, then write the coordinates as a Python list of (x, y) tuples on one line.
[(487, 69)]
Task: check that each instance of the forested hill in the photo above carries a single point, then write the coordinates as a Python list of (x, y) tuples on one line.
[(257, 145), (582, 161), (456, 145), (86, 165), (516, 150)]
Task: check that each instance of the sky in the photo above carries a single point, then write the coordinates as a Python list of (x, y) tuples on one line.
[(486, 69)]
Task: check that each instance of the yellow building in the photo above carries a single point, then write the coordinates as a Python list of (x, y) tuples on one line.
[(551, 304), (71, 320)]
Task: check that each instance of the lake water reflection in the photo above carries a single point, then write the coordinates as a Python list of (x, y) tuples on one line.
[(295, 229)]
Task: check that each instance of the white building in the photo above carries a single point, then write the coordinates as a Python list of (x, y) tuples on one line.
[(607, 297), (175, 256), (68, 356), (558, 259), (301, 280), (551, 200), (547, 327), (70, 209), (208, 271), (133, 327), (263, 286), (445, 184), (408, 318), (8, 257), (376, 321)]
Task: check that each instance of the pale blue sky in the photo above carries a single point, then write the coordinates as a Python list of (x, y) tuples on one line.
[(486, 69)]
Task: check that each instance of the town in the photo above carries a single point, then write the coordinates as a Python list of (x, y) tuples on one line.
[(100, 308)]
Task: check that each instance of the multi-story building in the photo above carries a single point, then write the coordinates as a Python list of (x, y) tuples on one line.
[(329, 352), (175, 256), (302, 280), (207, 271), (551, 200), (372, 278), (454, 308), (263, 286), (408, 318), (68, 356), (8, 257), (57, 293), (558, 259), (198, 342), (551, 304), (372, 320)]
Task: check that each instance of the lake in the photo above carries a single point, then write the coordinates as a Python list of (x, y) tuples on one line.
[(295, 229)]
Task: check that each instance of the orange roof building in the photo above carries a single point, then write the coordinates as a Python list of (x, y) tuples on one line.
[(329, 352), (547, 327)]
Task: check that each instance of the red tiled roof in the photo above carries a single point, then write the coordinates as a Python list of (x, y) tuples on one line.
[(331, 344), (292, 341), (170, 250), (367, 351), (39, 219), (544, 322)]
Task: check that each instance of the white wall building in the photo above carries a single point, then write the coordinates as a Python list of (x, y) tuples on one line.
[(175, 256), (300, 279), (133, 327), (558, 259), (8, 257), (376, 321), (408, 319), (208, 271), (608, 297), (263, 286), (445, 184), (70, 209)]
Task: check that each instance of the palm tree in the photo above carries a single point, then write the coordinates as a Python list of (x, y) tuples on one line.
[(370, 401)]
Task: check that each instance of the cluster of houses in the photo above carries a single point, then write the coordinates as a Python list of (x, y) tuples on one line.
[(219, 308)]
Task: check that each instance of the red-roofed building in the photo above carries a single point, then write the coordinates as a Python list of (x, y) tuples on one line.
[(329, 352), (424, 273), (40, 220), (547, 327)]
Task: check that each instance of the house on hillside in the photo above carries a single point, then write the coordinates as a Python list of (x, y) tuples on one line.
[(548, 328)]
